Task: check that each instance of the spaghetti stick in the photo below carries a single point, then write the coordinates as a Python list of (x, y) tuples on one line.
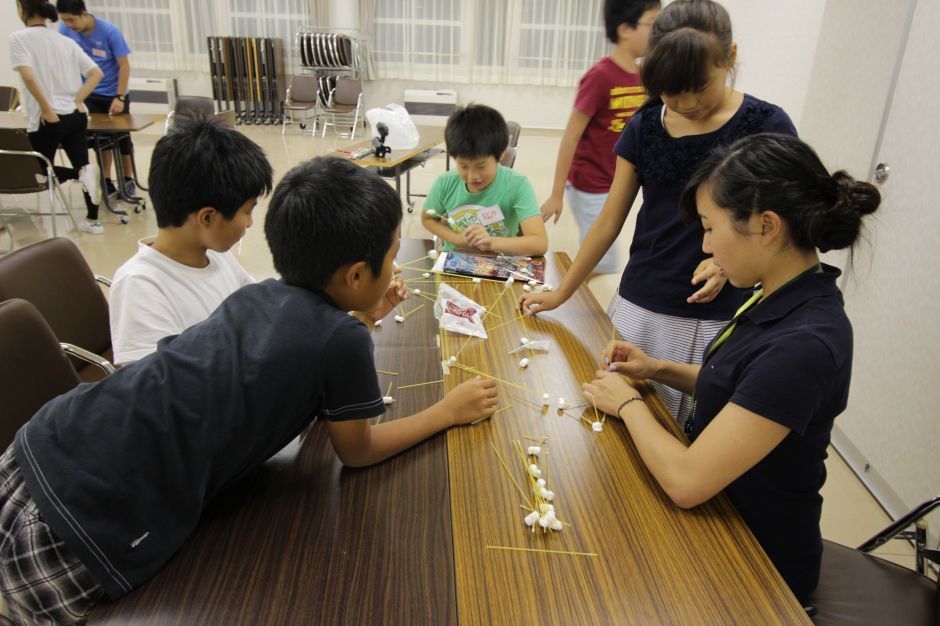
[(525, 496), (420, 306), (388, 373), (430, 382), (488, 416), (490, 376), (542, 551)]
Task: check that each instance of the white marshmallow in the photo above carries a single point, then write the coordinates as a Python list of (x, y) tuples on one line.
[(540, 482), (431, 212), (377, 323), (546, 399), (477, 280), (510, 281), (433, 254), (547, 287), (561, 403), (545, 508), (544, 522), (533, 283), (548, 494), (531, 518), (524, 340), (556, 525), (535, 450), (399, 318), (597, 427), (524, 363), (535, 471), (388, 399), (426, 275), (526, 288), (415, 291), (452, 360), (445, 367)]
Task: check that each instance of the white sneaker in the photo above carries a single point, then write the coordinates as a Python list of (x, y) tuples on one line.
[(90, 177), (92, 228)]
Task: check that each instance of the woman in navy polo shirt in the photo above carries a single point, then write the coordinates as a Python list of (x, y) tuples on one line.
[(775, 378)]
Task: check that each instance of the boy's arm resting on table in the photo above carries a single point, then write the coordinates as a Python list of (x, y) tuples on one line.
[(532, 242), (358, 443), (577, 122)]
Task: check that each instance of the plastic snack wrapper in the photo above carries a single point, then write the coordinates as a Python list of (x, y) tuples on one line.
[(531, 345), (458, 313)]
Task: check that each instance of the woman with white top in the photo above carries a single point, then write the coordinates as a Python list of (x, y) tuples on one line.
[(51, 67)]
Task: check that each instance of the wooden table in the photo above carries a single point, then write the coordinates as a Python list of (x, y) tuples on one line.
[(305, 541), (403, 161), (104, 132)]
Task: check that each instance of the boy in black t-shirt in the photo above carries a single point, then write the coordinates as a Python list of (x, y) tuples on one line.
[(104, 484)]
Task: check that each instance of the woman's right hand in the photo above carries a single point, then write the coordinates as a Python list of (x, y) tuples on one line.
[(532, 303), (50, 117), (626, 358)]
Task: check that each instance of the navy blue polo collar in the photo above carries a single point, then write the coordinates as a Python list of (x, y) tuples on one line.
[(793, 294)]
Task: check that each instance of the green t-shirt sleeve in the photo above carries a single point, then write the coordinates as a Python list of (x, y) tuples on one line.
[(434, 200), (526, 205)]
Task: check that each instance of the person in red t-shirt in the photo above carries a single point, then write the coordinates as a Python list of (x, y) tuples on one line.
[(609, 94)]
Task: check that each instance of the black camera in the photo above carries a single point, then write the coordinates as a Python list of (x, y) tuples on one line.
[(378, 143)]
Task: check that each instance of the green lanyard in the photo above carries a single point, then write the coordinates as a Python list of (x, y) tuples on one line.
[(726, 333)]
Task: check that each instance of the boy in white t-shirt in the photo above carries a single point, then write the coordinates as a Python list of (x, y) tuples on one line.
[(205, 180)]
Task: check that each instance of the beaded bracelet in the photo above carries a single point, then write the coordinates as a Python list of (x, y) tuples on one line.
[(625, 403)]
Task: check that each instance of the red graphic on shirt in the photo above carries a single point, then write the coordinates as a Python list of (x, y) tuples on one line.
[(459, 311)]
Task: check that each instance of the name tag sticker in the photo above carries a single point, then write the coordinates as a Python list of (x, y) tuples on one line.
[(99, 53), (491, 215)]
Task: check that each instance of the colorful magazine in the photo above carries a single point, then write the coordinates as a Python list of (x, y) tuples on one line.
[(500, 267)]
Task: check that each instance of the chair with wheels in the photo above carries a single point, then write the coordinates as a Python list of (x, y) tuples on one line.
[(53, 276)]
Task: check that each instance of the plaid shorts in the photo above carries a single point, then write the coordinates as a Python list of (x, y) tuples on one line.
[(40, 579)]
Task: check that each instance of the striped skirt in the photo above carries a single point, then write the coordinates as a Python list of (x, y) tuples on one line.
[(667, 337)]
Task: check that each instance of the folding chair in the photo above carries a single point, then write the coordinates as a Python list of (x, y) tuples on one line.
[(301, 96), (345, 101), (22, 171), (197, 106), (861, 589), (53, 276), (9, 98), (509, 155)]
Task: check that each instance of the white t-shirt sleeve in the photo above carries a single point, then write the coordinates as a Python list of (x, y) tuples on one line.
[(141, 315), (19, 53)]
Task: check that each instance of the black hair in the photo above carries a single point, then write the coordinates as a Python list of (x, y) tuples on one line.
[(475, 131), (617, 12), (38, 8), (327, 213), (780, 173), (75, 7), (688, 39), (202, 163)]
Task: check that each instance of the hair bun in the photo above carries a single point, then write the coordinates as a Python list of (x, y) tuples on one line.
[(837, 220)]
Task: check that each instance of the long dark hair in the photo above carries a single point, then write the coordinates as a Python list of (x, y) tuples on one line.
[(39, 8), (688, 39), (780, 173)]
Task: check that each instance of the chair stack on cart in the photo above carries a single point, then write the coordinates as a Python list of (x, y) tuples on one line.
[(248, 77), (333, 57)]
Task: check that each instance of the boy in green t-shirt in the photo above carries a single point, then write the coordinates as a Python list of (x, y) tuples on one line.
[(482, 204)]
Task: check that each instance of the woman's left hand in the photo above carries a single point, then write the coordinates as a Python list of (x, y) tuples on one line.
[(608, 391), (714, 278)]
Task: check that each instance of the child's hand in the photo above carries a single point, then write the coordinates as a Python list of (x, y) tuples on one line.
[(470, 401), (626, 358), (478, 237), (532, 303), (552, 207), (396, 293), (714, 278)]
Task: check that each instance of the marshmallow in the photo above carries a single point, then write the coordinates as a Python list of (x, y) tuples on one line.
[(561, 403), (445, 367), (477, 280), (432, 254), (415, 291), (524, 363), (452, 360), (540, 482), (431, 212), (377, 323), (399, 318), (533, 283), (526, 288), (545, 399), (535, 471), (532, 518), (547, 287), (545, 508), (547, 494), (544, 522), (510, 281), (388, 399), (556, 525), (535, 451), (524, 340), (426, 275), (597, 427)]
